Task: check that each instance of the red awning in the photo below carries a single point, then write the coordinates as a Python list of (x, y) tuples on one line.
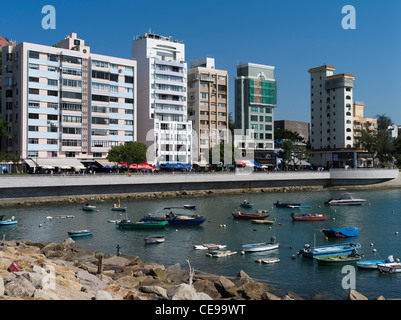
[(133, 166), (242, 163)]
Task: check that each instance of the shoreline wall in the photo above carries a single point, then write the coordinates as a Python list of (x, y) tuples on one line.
[(79, 188)]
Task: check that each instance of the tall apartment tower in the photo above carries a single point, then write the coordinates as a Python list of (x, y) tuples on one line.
[(336, 120), (162, 98), (255, 100), (207, 106), (65, 102), (331, 109)]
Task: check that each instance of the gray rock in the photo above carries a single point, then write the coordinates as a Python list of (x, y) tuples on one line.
[(33, 277), (203, 296), (182, 292), (155, 289), (89, 280), (103, 295), (355, 295), (1, 286), (20, 287), (45, 294)]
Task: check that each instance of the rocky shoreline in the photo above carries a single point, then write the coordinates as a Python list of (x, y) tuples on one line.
[(64, 271)]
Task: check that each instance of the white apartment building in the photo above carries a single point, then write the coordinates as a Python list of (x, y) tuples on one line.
[(162, 98), (334, 119), (65, 102)]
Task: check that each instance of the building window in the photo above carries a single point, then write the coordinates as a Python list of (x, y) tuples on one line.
[(52, 82), (348, 97), (33, 116), (31, 91), (129, 79), (70, 154), (349, 138), (33, 55)]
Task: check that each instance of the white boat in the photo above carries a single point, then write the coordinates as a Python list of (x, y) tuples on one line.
[(372, 264), (88, 207), (209, 246), (221, 253), (268, 260), (262, 246), (346, 199), (389, 267)]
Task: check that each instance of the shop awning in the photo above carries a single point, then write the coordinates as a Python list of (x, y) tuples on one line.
[(30, 163), (66, 163)]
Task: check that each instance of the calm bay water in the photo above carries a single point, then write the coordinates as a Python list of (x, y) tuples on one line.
[(379, 220)]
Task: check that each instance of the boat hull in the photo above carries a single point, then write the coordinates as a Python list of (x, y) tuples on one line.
[(287, 205), (338, 260), (300, 217), (262, 221), (219, 254), (345, 202), (245, 216), (82, 233), (89, 208), (153, 240), (118, 208), (177, 221), (141, 225), (330, 250), (389, 267), (247, 205), (8, 222), (372, 264), (260, 247)]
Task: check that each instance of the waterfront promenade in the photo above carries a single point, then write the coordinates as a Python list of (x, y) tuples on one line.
[(26, 186)]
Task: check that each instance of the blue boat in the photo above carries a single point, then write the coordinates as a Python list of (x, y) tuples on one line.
[(341, 233), (8, 222), (246, 205), (329, 250), (287, 205), (372, 264), (79, 233)]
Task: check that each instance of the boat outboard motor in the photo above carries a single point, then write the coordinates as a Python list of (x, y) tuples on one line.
[(306, 248), (273, 239)]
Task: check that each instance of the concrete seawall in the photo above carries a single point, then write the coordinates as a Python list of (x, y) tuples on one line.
[(18, 187)]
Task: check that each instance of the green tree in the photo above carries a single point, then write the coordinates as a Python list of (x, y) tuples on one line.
[(287, 152), (284, 134), (132, 152), (383, 122)]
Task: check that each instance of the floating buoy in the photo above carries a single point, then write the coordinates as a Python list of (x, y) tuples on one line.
[(274, 219), (372, 244), (270, 228), (242, 252), (369, 203), (224, 226), (393, 211), (335, 210), (176, 230), (97, 210), (319, 207), (40, 225), (327, 238), (374, 250), (334, 219), (293, 256), (396, 232)]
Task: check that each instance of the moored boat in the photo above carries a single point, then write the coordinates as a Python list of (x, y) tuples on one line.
[(262, 246), (346, 199), (209, 246), (118, 207), (287, 205), (88, 207), (238, 214), (389, 267), (262, 221), (308, 217), (246, 204), (329, 250), (155, 239), (189, 206), (342, 232), (124, 224), (177, 220), (340, 259), (221, 253), (268, 260), (372, 264), (8, 222), (80, 233)]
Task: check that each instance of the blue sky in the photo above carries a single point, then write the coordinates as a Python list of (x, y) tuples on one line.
[(291, 35)]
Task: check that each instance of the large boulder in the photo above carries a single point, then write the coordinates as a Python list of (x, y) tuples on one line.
[(162, 292), (182, 292), (20, 287)]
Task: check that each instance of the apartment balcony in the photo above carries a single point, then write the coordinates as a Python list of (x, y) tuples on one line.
[(207, 78)]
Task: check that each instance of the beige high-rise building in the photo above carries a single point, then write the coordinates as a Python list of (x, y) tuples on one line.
[(207, 106)]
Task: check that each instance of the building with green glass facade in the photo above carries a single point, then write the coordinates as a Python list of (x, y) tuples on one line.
[(255, 100)]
